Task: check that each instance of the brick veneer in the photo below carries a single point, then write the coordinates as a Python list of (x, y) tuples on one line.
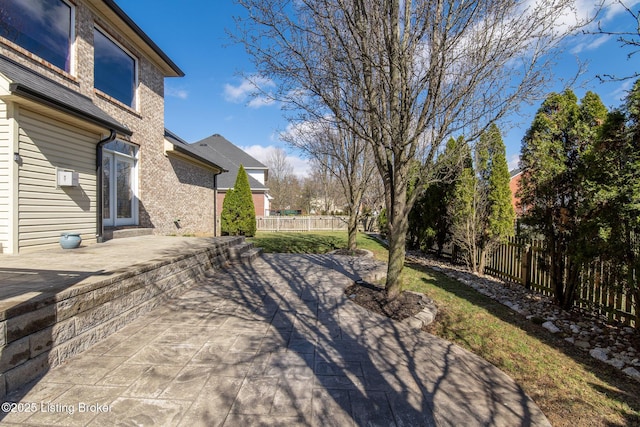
[(258, 202), (168, 189)]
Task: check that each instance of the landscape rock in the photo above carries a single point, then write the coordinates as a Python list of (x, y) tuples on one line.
[(548, 325), (617, 363), (599, 353), (632, 372), (587, 331), (582, 344)]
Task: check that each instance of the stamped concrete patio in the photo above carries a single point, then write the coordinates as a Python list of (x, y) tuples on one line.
[(275, 342)]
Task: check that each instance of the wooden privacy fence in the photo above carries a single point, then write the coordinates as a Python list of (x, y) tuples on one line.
[(525, 262), (302, 223)]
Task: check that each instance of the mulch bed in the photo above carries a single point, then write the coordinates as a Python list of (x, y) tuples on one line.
[(351, 252), (374, 298)]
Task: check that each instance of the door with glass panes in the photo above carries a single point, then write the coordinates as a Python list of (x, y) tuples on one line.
[(119, 184)]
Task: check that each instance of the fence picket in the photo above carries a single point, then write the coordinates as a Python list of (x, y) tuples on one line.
[(526, 263), (301, 223)]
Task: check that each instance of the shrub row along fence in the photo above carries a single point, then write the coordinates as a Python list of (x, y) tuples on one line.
[(525, 262), (302, 223)]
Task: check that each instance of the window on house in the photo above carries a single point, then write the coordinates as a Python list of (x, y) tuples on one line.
[(43, 27), (114, 69)]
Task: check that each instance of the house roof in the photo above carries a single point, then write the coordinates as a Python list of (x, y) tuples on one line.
[(136, 34), (190, 150), (515, 173), (230, 157), (28, 84)]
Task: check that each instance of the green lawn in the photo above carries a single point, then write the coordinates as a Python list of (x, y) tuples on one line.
[(569, 386), (313, 243)]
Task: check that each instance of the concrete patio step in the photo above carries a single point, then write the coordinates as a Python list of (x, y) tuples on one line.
[(40, 330), (122, 233), (245, 252), (251, 255)]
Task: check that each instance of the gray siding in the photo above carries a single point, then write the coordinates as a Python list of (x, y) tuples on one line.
[(46, 210)]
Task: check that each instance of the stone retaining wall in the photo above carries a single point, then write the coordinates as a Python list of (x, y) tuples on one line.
[(46, 331)]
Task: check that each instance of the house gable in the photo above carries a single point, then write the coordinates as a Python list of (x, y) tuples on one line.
[(231, 157)]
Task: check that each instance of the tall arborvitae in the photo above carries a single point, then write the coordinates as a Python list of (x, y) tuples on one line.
[(482, 212), (613, 195), (238, 212), (429, 219), (501, 215), (554, 165), (463, 210)]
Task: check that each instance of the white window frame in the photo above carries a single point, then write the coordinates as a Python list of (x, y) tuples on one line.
[(72, 43), (113, 221), (136, 67)]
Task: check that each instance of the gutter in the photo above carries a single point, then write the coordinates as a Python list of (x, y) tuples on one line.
[(215, 201), (99, 183), (34, 95)]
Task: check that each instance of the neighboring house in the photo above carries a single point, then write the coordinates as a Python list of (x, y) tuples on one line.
[(514, 186), (82, 140), (231, 157)]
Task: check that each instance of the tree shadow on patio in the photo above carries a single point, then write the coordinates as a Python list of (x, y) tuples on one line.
[(362, 368)]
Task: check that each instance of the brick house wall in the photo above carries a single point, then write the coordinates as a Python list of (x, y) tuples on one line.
[(168, 189), (258, 202), (514, 185), (193, 183)]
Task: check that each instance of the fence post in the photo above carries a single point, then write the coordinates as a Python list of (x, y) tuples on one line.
[(525, 265)]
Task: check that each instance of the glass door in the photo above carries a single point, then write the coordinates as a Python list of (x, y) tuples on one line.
[(124, 191), (119, 205)]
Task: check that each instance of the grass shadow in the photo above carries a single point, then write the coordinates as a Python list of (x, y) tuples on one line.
[(530, 354)]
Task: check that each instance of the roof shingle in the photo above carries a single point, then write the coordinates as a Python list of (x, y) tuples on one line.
[(29, 84), (230, 157)]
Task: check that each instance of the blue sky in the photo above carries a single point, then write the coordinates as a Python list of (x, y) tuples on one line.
[(214, 98)]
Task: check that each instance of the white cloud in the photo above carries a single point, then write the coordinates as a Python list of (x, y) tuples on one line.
[(596, 43), (261, 101), (614, 7), (621, 92), (298, 131), (254, 87), (301, 167), (176, 93), (259, 152), (514, 161), (238, 94)]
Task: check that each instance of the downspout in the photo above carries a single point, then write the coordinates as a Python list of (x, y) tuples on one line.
[(215, 204), (99, 221)]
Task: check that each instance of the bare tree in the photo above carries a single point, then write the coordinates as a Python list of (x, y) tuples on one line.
[(283, 184), (628, 39), (422, 71), (326, 189), (345, 155)]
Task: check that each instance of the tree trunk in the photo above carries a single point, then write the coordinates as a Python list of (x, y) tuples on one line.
[(572, 285), (398, 227), (483, 261), (557, 273), (396, 263), (352, 228)]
